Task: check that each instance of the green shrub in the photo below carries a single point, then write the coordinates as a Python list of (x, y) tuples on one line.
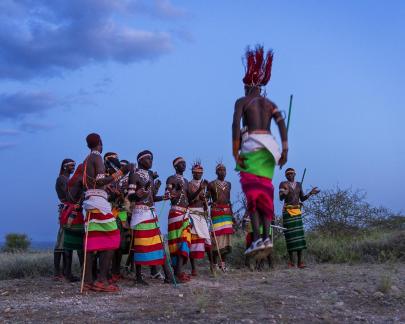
[(25, 264), (365, 246), (16, 242)]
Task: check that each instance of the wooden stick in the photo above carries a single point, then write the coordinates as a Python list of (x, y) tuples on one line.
[(168, 260), (303, 176), (216, 243), (85, 252)]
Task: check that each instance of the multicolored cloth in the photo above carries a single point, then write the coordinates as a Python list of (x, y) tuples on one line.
[(259, 192), (179, 233), (221, 216), (294, 233), (200, 234), (103, 233), (73, 233), (260, 153), (148, 244)]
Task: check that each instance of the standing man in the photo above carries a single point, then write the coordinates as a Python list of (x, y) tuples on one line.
[(200, 234), (255, 150), (102, 234), (179, 234), (66, 169), (73, 220), (293, 195), (221, 215), (148, 243), (116, 198)]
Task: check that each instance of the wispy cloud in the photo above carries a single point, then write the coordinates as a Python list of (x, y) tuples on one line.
[(5, 146), (34, 127), (17, 105), (42, 38), (9, 132)]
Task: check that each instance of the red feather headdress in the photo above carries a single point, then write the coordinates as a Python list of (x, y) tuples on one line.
[(257, 66)]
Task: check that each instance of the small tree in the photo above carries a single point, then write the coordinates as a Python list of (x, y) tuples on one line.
[(339, 211), (16, 242)]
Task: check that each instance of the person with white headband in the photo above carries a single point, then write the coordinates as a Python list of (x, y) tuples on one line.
[(179, 229), (66, 169)]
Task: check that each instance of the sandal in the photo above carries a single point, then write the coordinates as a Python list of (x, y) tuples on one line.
[(115, 278), (87, 287), (182, 278), (290, 265), (101, 287), (302, 265)]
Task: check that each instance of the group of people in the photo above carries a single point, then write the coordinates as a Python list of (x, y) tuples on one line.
[(118, 200), (107, 205)]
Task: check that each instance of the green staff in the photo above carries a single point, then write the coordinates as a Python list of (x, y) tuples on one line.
[(289, 112)]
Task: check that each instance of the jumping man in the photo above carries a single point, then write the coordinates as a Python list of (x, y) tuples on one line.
[(254, 148)]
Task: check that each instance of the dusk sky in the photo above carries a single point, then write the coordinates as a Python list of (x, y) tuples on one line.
[(164, 75)]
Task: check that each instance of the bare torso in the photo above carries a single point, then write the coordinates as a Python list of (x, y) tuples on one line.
[(295, 193), (256, 113), (193, 187), (143, 179), (94, 169), (220, 192), (61, 187), (179, 185)]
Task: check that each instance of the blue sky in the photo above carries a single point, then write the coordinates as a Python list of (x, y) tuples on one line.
[(164, 75)]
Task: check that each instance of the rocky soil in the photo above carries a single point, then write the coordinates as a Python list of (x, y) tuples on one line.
[(328, 293)]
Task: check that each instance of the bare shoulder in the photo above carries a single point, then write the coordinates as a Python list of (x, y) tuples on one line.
[(171, 179), (240, 101), (270, 103), (282, 183), (229, 183)]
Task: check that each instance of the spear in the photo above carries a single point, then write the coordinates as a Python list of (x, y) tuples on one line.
[(289, 112), (303, 176)]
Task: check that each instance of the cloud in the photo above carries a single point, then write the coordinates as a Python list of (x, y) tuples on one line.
[(9, 132), (45, 37), (161, 9), (34, 127), (18, 105), (5, 146)]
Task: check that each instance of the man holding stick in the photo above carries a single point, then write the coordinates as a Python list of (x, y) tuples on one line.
[(179, 229), (293, 195), (102, 233), (142, 190), (200, 234), (221, 215)]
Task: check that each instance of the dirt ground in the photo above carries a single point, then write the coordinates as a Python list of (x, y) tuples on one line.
[(329, 293)]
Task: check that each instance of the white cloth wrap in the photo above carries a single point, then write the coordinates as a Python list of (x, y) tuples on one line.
[(254, 142), (140, 214), (200, 226), (97, 199)]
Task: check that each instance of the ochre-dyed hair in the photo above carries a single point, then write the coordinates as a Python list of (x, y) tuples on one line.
[(93, 140), (257, 66)]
